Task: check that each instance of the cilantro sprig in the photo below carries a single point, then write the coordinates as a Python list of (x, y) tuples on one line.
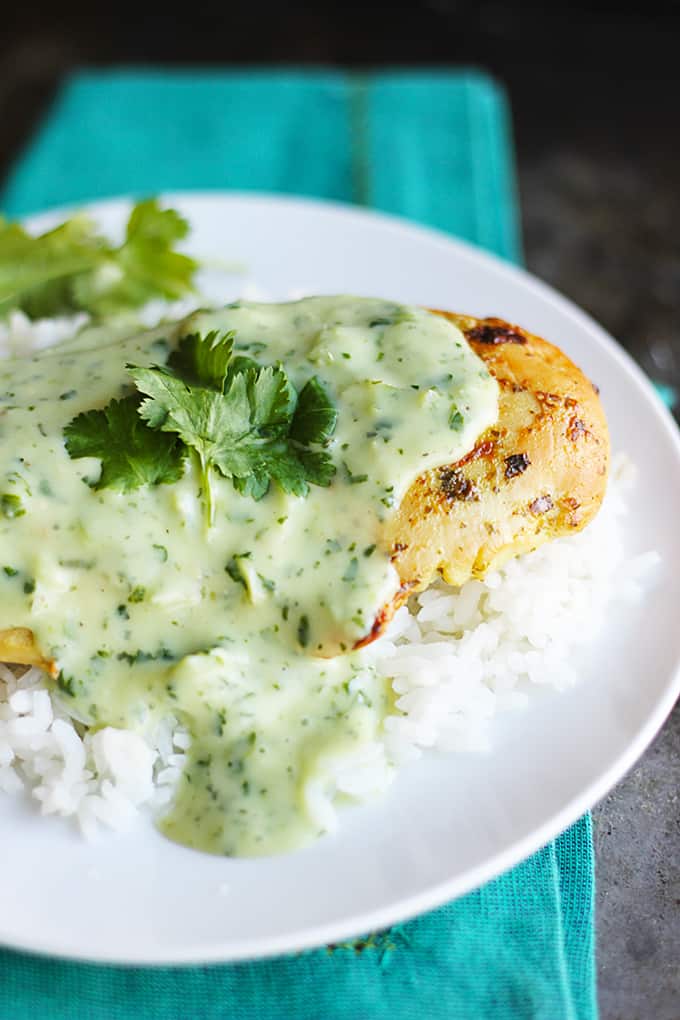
[(131, 454), (73, 268), (241, 420)]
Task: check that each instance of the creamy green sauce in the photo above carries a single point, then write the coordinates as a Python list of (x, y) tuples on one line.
[(149, 614)]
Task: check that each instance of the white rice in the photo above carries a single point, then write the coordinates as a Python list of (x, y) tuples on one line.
[(455, 658)]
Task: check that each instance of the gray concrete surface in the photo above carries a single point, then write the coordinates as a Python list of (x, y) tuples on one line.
[(637, 836)]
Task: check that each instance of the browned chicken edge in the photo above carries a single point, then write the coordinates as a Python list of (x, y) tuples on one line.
[(538, 473)]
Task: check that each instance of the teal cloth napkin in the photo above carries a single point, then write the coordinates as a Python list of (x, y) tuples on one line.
[(435, 147)]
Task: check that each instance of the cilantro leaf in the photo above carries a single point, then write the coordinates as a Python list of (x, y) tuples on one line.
[(315, 417), (73, 268), (255, 485), (277, 461), (202, 418), (36, 273), (240, 363), (203, 359), (144, 267), (318, 466), (244, 431), (131, 454), (229, 431), (205, 420), (242, 420), (272, 400), (149, 224)]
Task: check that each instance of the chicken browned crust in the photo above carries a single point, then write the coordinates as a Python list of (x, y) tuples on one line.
[(538, 473)]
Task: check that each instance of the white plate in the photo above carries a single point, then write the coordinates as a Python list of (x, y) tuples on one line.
[(449, 824)]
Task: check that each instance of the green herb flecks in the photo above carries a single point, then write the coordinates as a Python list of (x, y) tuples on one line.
[(456, 419), (11, 506), (352, 478), (236, 573), (303, 631), (352, 570), (66, 684), (162, 654)]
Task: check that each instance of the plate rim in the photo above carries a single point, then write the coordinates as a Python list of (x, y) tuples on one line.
[(402, 909)]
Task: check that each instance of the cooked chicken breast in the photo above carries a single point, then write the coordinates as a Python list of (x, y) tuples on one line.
[(539, 473), (18, 645)]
